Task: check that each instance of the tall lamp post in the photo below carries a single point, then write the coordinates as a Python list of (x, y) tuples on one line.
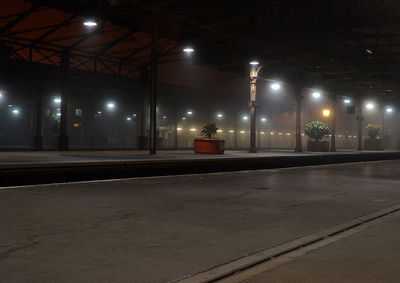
[(254, 69)]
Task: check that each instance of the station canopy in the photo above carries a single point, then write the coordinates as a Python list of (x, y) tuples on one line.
[(344, 45)]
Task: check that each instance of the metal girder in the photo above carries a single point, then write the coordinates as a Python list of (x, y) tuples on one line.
[(119, 40), (56, 28), (136, 51), (19, 18)]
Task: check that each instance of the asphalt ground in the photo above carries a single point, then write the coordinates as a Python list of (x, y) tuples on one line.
[(164, 229)]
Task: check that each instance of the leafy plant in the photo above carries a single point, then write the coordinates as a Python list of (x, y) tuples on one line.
[(209, 130), (372, 131), (317, 130)]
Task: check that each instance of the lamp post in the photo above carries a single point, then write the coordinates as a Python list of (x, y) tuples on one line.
[(254, 69)]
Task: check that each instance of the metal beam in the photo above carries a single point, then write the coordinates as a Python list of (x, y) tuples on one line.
[(19, 18), (56, 28)]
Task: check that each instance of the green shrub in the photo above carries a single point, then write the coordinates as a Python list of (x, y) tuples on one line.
[(372, 131), (209, 130), (317, 130)]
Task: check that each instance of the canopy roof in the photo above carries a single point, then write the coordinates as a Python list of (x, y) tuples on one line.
[(350, 45)]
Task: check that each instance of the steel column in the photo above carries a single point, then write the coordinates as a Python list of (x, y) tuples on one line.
[(153, 89), (144, 83), (63, 138), (253, 105), (297, 94), (38, 135), (333, 123), (360, 119)]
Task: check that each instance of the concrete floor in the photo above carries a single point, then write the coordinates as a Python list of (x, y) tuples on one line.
[(370, 257), (162, 229), (126, 155)]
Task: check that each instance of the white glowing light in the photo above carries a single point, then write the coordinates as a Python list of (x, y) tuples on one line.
[(179, 129), (90, 23), (263, 119), (254, 63), (57, 100), (15, 111), (389, 110), (110, 105), (128, 118), (370, 106), (189, 112), (231, 131), (164, 117), (316, 94), (219, 115), (183, 118), (188, 50), (347, 101), (58, 114), (245, 117), (275, 86), (99, 112), (219, 131), (193, 130)]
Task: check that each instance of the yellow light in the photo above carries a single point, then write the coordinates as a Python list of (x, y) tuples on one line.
[(288, 134), (326, 112), (280, 134), (219, 131), (231, 131), (272, 133), (179, 129), (242, 132), (262, 133), (193, 130)]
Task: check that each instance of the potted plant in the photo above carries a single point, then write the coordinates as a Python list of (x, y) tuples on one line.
[(373, 143), (206, 143), (317, 130)]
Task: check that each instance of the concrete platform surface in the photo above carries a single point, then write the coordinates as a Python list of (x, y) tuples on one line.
[(165, 228), (25, 168), (370, 256), (29, 157)]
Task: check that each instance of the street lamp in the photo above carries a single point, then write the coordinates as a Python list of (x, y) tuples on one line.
[(188, 50), (389, 109), (275, 86), (90, 23), (110, 105), (254, 69), (326, 113), (370, 106), (220, 115), (316, 94)]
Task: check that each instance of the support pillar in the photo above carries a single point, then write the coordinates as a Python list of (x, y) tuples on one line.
[(38, 133), (153, 89), (333, 123), (253, 106), (360, 119), (383, 127), (144, 86), (90, 121), (176, 131), (297, 95), (63, 138)]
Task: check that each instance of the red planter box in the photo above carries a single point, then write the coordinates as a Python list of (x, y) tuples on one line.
[(373, 144), (319, 146), (213, 146)]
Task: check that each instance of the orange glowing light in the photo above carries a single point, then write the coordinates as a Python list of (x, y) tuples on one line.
[(326, 112)]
